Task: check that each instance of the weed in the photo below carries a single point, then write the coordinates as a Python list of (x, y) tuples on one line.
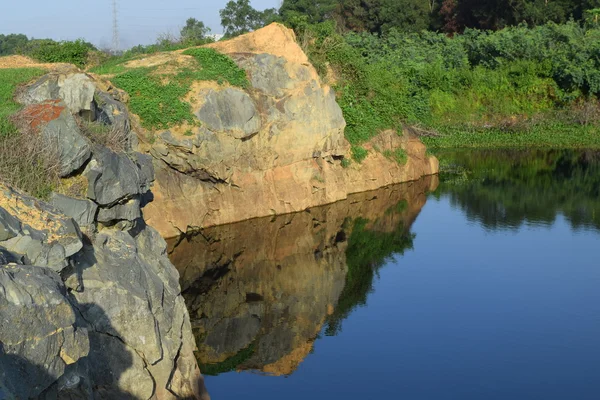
[(358, 153), (346, 162), (106, 135), (188, 133), (399, 155)]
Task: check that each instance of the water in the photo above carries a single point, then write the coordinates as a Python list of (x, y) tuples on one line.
[(486, 286)]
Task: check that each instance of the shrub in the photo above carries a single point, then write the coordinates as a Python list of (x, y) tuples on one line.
[(46, 50)]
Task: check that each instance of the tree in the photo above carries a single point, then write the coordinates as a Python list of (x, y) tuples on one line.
[(194, 31), (379, 16), (9, 44), (314, 10), (239, 17)]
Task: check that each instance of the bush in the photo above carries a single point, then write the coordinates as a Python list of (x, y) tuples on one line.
[(516, 79), (49, 51)]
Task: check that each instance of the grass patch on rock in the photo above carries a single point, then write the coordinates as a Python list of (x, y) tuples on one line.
[(398, 155), (158, 98), (10, 79)]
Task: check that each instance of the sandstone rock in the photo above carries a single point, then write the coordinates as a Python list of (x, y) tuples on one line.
[(82, 211), (35, 232), (232, 111), (39, 334)]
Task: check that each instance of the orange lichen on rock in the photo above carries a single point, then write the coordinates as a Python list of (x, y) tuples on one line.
[(40, 114)]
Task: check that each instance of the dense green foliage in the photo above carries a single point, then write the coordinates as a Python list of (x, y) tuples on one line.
[(517, 81), (381, 16), (367, 251), (9, 44), (160, 104), (49, 51), (506, 189)]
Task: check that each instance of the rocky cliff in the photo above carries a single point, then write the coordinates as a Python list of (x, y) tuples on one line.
[(276, 146), (90, 304), (260, 291)]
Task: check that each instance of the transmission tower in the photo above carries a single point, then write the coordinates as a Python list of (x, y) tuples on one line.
[(115, 38)]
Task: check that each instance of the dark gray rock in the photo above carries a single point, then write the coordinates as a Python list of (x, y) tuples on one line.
[(111, 112), (82, 211), (128, 211), (74, 150), (113, 177), (39, 335), (232, 111)]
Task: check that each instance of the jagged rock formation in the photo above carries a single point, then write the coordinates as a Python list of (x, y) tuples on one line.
[(260, 290), (273, 148), (99, 314)]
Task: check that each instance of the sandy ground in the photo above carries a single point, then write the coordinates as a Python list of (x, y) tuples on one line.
[(26, 62)]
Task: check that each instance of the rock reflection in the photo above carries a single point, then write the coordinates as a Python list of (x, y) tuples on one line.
[(260, 291)]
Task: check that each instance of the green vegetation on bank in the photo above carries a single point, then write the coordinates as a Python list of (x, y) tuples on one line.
[(518, 86), (157, 98)]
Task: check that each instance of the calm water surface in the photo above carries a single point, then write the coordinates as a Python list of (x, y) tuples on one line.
[(485, 285)]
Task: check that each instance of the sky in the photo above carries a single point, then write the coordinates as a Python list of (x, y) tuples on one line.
[(140, 21)]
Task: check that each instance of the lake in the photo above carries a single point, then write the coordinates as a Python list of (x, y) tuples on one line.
[(483, 283)]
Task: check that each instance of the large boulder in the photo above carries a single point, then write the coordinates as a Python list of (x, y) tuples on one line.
[(273, 147), (76, 90), (61, 133)]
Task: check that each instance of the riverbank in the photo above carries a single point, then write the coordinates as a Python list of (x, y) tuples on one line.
[(515, 87)]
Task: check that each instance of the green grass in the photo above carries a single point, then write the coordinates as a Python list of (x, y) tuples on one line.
[(159, 104), (215, 66), (359, 153), (398, 155), (10, 79), (546, 134)]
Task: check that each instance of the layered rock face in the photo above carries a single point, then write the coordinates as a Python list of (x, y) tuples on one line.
[(259, 291), (276, 147), (89, 302)]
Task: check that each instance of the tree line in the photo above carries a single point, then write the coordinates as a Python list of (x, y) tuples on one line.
[(381, 16)]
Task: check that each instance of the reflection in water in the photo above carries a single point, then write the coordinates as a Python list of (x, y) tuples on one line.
[(260, 291), (505, 189)]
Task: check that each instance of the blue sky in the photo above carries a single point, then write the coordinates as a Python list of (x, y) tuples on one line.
[(141, 21)]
